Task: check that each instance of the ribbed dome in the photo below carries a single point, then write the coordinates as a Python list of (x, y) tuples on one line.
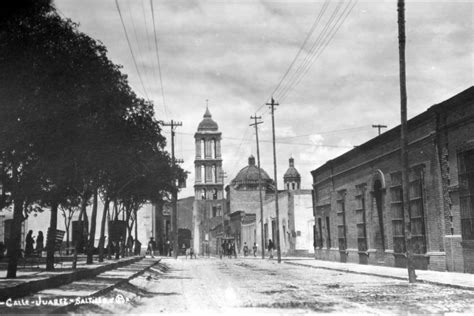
[(292, 173), (248, 176), (208, 124)]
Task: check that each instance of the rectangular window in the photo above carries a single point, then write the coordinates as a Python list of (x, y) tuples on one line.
[(361, 220), (341, 220), (417, 212), (214, 211), (396, 210), (328, 231), (466, 193), (319, 234), (417, 219)]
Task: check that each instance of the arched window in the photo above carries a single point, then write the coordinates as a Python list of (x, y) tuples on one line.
[(204, 193), (203, 148), (214, 195), (213, 148)]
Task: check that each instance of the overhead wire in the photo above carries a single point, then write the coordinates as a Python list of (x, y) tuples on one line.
[(158, 58), (139, 46), (131, 50), (311, 31), (149, 45), (313, 50), (329, 37)]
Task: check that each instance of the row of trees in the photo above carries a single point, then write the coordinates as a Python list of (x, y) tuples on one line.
[(71, 129)]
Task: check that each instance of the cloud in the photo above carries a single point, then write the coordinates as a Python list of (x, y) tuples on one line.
[(234, 53)]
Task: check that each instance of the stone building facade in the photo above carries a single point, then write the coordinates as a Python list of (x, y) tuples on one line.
[(208, 207), (357, 196), (296, 220)]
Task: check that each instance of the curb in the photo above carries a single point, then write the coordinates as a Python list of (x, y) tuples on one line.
[(456, 286), (31, 287), (62, 309)]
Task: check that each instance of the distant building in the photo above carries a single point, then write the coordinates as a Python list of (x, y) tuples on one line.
[(296, 220), (358, 195)]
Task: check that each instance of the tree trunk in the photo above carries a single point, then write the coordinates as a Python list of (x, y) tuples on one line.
[(81, 215), (14, 244), (67, 224), (136, 234), (102, 229), (90, 246), (53, 225)]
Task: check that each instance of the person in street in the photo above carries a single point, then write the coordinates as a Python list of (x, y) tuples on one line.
[(39, 243), (229, 249), (130, 245), (29, 241), (254, 249), (270, 248), (122, 247), (183, 248), (191, 253), (246, 249), (151, 247)]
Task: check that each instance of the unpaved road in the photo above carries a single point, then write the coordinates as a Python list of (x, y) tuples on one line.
[(253, 286)]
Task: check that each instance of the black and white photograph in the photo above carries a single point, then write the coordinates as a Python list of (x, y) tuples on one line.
[(237, 157)]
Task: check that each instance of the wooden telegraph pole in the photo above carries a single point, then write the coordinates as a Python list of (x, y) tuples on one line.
[(404, 145), (379, 127), (174, 215), (255, 118), (272, 107), (223, 176)]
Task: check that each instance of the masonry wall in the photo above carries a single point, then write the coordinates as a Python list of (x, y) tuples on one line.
[(245, 200), (455, 136)]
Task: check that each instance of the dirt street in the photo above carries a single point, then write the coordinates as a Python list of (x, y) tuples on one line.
[(253, 286)]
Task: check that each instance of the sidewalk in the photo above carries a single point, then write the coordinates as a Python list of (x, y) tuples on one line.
[(33, 280), (59, 299), (452, 279)]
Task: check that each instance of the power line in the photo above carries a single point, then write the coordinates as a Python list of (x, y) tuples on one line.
[(131, 50), (311, 31), (149, 46), (158, 57), (139, 48), (317, 43), (332, 32)]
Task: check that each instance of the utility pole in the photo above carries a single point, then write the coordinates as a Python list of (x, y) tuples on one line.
[(255, 124), (404, 144), (174, 214), (223, 175), (379, 127), (272, 107)]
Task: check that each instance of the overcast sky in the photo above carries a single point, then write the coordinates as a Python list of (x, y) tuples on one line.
[(234, 53)]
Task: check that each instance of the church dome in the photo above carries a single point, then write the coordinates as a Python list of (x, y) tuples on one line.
[(208, 124), (248, 176), (292, 173)]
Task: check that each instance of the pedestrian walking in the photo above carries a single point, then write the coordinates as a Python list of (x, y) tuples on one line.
[(255, 247), (246, 249), (151, 247), (29, 241), (270, 248), (130, 245), (39, 243)]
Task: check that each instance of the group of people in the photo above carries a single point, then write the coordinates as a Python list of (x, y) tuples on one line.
[(30, 241), (228, 249), (121, 249), (246, 249)]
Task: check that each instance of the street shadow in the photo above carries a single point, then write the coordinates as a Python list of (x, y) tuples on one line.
[(175, 277)]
